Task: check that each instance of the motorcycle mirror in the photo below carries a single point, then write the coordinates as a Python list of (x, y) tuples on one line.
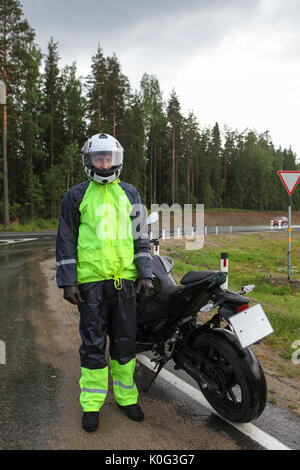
[(248, 289), (153, 217)]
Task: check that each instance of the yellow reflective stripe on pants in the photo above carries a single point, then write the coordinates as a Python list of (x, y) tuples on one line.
[(94, 386), (125, 390)]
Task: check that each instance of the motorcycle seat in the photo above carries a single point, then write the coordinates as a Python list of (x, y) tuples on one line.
[(195, 276)]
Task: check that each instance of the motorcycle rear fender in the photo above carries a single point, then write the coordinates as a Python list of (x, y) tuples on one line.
[(226, 312), (228, 335), (246, 353)]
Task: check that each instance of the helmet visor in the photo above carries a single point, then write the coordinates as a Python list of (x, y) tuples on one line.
[(104, 160)]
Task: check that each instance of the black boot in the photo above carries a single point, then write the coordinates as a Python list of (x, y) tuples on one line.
[(90, 421), (133, 412)]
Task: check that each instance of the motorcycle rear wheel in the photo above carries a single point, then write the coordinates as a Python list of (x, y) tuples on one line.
[(241, 391)]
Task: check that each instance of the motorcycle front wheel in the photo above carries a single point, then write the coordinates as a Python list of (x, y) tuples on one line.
[(240, 391)]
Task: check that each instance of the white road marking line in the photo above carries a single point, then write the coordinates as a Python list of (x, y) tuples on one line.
[(256, 434), (18, 240)]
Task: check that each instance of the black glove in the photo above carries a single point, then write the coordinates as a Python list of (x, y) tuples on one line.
[(145, 285), (72, 294)]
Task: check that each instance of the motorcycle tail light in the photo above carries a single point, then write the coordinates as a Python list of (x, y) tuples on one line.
[(242, 307)]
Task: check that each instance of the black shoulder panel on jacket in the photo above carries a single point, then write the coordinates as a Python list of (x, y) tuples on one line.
[(131, 192), (77, 192)]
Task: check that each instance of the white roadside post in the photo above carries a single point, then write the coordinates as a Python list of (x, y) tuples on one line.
[(224, 269), (156, 247), (290, 180), (152, 219)]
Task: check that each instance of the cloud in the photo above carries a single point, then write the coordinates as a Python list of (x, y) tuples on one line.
[(235, 61), (163, 27)]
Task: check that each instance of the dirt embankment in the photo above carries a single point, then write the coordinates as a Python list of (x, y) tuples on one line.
[(227, 218)]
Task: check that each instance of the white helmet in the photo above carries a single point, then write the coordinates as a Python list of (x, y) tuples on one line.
[(102, 158)]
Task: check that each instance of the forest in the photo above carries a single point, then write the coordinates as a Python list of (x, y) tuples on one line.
[(170, 157)]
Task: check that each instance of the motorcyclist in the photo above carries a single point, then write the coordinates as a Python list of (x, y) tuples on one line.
[(100, 253)]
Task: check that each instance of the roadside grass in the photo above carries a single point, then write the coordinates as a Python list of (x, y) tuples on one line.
[(33, 225), (259, 259)]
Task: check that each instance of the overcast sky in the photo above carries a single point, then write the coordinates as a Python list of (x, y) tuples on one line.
[(232, 61)]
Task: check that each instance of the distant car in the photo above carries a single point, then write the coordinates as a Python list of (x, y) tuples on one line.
[(280, 220)]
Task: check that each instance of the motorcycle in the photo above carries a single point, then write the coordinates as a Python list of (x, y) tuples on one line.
[(216, 352)]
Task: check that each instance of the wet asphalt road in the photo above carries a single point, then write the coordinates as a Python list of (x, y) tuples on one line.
[(39, 382), (27, 387), (39, 390)]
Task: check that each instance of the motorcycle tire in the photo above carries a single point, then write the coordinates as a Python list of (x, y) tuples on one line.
[(241, 389)]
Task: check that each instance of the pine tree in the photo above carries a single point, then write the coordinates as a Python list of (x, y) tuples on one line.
[(229, 158), (15, 34), (108, 95), (74, 108), (175, 119), (52, 90), (154, 119), (190, 142), (96, 84), (204, 192), (215, 155), (29, 174), (132, 138), (118, 96)]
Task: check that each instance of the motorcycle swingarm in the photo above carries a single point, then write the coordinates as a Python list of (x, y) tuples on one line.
[(201, 378)]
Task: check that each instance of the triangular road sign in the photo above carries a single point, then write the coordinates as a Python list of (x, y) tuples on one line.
[(290, 179)]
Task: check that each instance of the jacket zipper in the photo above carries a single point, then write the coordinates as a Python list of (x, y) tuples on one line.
[(116, 277)]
